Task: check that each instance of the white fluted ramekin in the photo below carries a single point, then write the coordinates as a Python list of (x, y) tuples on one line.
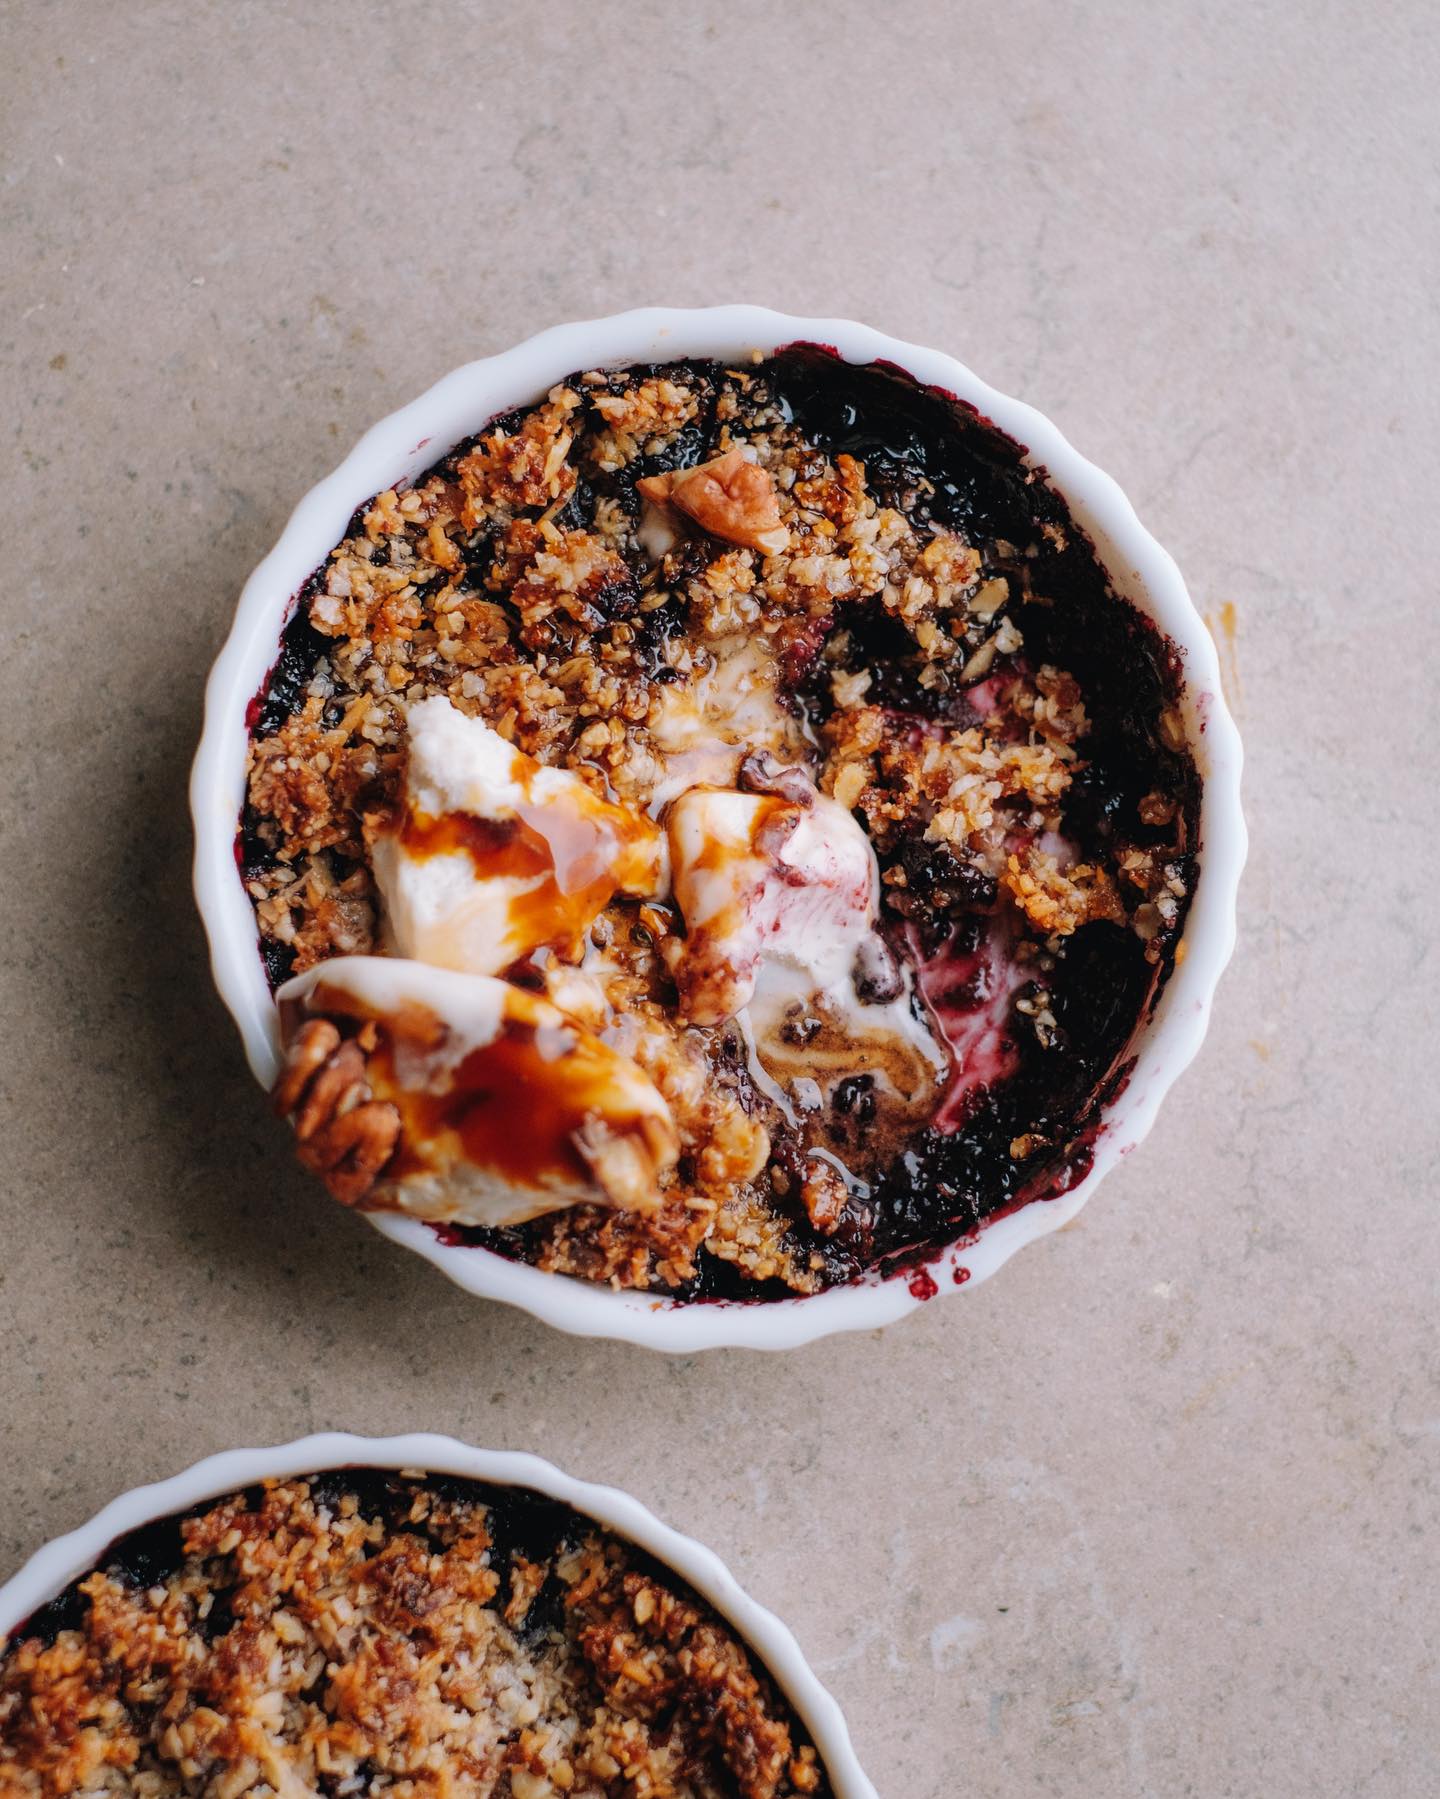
[(409, 441), (52, 1568)]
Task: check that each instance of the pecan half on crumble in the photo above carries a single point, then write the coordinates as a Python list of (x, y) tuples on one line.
[(731, 498), (342, 1132)]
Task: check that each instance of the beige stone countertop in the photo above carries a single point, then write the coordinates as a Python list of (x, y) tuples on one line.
[(1155, 1510)]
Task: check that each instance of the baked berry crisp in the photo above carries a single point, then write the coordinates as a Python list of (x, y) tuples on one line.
[(717, 831), (363, 1632)]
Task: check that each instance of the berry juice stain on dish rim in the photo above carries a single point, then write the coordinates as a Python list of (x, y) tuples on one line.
[(867, 838)]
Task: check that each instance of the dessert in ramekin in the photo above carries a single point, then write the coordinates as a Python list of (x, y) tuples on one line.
[(726, 829), (347, 1616)]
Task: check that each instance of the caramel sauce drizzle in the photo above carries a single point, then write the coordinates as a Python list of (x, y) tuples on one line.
[(501, 1106), (574, 857), (501, 1109)]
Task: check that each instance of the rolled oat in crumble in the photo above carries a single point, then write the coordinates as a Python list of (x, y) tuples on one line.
[(367, 1633), (806, 602)]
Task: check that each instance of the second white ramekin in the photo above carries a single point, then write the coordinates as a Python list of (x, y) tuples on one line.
[(52, 1568)]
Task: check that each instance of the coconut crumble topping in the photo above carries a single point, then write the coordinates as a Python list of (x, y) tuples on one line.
[(364, 1633), (690, 581)]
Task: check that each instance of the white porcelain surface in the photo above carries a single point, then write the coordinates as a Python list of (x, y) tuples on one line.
[(407, 442), (51, 1568)]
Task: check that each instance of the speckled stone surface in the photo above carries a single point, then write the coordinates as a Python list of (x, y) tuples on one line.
[(1154, 1511)]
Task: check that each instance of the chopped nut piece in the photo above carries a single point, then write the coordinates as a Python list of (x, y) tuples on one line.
[(1059, 901), (316, 1042), (1172, 729), (989, 597), (979, 664), (824, 1195), (849, 785), (626, 1163), (350, 1151), (805, 1775), (339, 1083), (850, 690)]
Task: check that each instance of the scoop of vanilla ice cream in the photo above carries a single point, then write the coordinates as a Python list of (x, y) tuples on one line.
[(493, 854), (761, 879), (508, 1109)]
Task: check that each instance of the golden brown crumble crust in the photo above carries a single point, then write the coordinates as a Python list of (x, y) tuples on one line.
[(488, 582), (308, 1644)]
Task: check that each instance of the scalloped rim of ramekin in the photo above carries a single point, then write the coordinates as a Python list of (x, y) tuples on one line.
[(408, 441), (54, 1566)]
